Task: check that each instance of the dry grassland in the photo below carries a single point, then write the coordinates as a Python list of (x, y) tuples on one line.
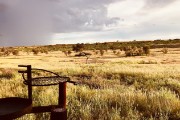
[(111, 87)]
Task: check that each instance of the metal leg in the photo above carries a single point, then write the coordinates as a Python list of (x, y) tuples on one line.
[(60, 113), (62, 95)]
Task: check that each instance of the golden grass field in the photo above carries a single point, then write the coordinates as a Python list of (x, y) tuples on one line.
[(110, 87)]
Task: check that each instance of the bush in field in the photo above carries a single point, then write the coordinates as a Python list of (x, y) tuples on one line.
[(3, 49), (43, 50), (86, 54), (65, 52), (15, 52), (96, 52), (27, 51), (140, 51), (114, 51), (118, 53), (7, 73), (135, 51), (127, 48), (46, 51), (129, 53), (69, 52), (146, 50), (35, 51), (78, 47), (164, 50), (102, 52), (7, 53)]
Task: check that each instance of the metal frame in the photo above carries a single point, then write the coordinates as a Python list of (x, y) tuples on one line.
[(62, 112), (57, 111)]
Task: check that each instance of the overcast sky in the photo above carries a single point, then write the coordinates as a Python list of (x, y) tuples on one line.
[(34, 22)]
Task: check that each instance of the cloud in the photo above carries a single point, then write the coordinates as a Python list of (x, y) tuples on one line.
[(152, 4), (31, 22), (82, 15), (25, 22)]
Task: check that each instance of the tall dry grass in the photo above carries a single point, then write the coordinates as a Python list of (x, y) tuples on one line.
[(126, 89)]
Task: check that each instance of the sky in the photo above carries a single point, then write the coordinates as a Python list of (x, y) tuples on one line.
[(40, 22)]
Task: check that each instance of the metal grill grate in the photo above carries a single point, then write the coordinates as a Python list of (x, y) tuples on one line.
[(46, 81)]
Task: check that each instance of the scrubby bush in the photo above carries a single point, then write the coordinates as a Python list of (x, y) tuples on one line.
[(69, 52), (78, 47), (135, 51), (35, 51), (7, 74), (164, 50), (86, 54), (7, 53), (146, 50), (118, 53), (102, 52), (15, 52), (65, 52), (96, 52), (46, 51), (3, 49), (114, 51)]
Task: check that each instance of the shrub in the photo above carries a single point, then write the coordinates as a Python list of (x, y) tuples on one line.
[(43, 50), (69, 52), (78, 47), (140, 51), (146, 50), (3, 49), (35, 51), (118, 53), (164, 50), (129, 53), (86, 54), (65, 52), (114, 51), (46, 51), (7, 73), (15, 52), (96, 52), (135, 51), (7, 53), (102, 52)]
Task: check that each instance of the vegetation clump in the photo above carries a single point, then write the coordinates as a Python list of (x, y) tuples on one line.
[(135, 51), (165, 50), (15, 52), (78, 47), (7, 74), (101, 52), (35, 51)]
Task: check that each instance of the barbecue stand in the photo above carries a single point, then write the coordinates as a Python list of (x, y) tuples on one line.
[(11, 108)]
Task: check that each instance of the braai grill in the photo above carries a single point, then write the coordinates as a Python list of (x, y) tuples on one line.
[(14, 107)]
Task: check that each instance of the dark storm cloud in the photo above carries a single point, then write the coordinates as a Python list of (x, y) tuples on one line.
[(25, 22), (31, 22), (81, 15)]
